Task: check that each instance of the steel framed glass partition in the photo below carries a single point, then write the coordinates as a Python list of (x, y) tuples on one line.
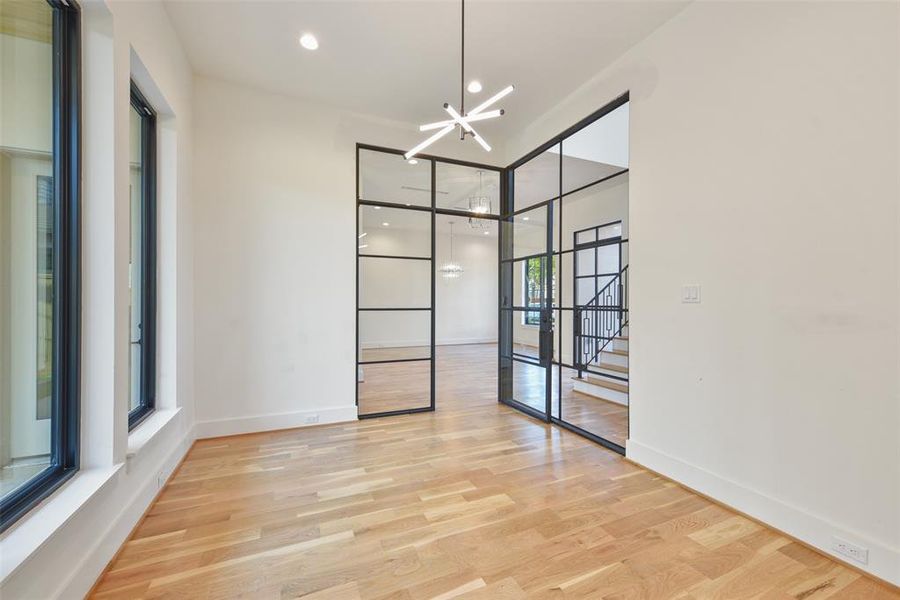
[(397, 205), (560, 338), (527, 286), (563, 270)]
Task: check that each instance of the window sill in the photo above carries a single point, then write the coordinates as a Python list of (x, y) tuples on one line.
[(148, 429), (36, 529)]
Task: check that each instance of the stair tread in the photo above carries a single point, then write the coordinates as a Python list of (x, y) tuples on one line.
[(618, 387), (610, 367), (623, 338), (618, 352)]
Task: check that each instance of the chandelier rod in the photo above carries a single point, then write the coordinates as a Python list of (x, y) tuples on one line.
[(462, 66), (461, 119), (451, 243)]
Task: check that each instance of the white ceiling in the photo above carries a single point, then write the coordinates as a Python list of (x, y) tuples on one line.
[(400, 60)]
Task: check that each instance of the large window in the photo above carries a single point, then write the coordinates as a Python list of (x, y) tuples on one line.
[(39, 287), (142, 262)]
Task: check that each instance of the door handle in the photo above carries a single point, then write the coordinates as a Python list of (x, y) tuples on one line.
[(545, 341)]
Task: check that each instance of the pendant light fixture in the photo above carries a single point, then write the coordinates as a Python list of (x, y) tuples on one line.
[(451, 270), (479, 204), (461, 118)]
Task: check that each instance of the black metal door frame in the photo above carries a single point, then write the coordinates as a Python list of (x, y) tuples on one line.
[(434, 210), (506, 306), (508, 211)]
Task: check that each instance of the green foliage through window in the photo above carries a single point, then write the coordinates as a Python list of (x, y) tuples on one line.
[(533, 276)]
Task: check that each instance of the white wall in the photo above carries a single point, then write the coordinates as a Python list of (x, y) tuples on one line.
[(764, 160), (74, 533), (466, 307), (26, 101), (275, 255)]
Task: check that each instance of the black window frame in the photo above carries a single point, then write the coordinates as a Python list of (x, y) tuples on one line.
[(65, 408), (147, 340)]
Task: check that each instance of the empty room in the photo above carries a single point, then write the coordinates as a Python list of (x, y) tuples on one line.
[(450, 299)]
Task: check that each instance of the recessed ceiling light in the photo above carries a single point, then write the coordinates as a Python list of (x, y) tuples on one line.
[(413, 161), (309, 41), (385, 224), (377, 207), (362, 235), (474, 86), (487, 233), (525, 218)]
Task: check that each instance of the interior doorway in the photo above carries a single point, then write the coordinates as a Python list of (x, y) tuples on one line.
[(466, 308), (564, 280)]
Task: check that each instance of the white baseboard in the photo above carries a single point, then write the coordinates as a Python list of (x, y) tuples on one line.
[(464, 341), (96, 558), (271, 422), (417, 343), (884, 561), (394, 344)]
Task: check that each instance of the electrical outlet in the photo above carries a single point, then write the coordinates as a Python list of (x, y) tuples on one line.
[(690, 293), (850, 550), (310, 419)]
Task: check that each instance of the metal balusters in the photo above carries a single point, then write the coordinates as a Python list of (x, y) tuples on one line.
[(603, 317)]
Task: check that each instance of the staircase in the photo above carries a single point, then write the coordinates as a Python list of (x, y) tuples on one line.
[(601, 342), (607, 378)]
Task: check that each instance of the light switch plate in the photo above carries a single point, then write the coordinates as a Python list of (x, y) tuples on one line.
[(690, 293)]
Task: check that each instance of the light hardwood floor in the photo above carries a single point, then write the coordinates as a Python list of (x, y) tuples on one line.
[(600, 417), (471, 369), (473, 501)]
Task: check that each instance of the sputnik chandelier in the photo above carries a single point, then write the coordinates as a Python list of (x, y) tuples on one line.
[(461, 118)]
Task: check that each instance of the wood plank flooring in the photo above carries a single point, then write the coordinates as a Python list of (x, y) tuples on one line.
[(468, 370), (475, 501), (595, 415), (600, 417)]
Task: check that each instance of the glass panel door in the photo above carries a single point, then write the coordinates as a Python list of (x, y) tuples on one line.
[(528, 285), (564, 280), (591, 395), (395, 288)]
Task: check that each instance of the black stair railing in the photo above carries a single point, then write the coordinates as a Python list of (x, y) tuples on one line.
[(600, 320)]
